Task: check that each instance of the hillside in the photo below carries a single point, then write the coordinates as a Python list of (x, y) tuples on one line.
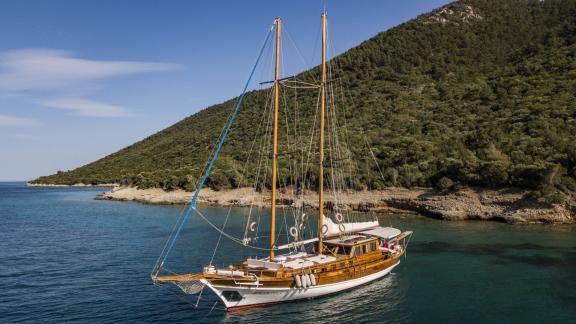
[(476, 93)]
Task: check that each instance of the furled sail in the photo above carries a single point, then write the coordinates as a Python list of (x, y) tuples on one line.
[(332, 229)]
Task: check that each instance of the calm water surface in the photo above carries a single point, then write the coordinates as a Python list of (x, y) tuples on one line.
[(65, 257)]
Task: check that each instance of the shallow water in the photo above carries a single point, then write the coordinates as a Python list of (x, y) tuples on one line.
[(67, 257)]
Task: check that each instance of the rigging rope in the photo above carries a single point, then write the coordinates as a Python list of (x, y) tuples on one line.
[(171, 240), (235, 239), (307, 69), (339, 151), (220, 237), (374, 157)]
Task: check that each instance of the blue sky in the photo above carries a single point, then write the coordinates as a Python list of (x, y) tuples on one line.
[(82, 79)]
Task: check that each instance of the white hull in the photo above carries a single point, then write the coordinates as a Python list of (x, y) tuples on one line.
[(258, 295)]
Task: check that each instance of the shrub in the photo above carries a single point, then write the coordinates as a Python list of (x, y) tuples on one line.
[(445, 183)]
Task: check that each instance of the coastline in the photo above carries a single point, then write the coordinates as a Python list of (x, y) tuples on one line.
[(508, 205), (103, 185)]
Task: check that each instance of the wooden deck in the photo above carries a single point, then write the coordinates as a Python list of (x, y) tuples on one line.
[(343, 268)]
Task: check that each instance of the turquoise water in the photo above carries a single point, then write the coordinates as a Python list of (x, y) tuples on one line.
[(65, 257)]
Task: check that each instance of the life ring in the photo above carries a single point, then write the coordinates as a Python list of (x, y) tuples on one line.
[(252, 226), (303, 217), (341, 227), (293, 231), (324, 229), (301, 227), (339, 217)]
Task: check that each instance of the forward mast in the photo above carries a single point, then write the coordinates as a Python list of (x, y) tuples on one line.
[(278, 23)]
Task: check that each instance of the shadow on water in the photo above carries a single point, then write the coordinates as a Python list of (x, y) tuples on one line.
[(388, 295)]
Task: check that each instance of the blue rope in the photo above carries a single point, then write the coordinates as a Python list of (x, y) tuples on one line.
[(192, 205)]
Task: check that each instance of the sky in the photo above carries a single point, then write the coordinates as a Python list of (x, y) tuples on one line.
[(82, 79)]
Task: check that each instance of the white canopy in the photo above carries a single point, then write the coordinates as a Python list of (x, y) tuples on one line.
[(383, 232)]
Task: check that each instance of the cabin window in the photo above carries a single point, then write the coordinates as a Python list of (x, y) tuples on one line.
[(357, 251), (346, 250), (333, 267), (365, 249), (342, 264), (350, 263), (373, 246)]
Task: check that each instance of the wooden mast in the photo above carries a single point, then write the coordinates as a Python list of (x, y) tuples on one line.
[(321, 166), (278, 23)]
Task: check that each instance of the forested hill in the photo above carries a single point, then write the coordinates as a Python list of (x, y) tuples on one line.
[(477, 92)]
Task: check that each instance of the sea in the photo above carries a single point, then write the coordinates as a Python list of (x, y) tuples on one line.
[(68, 258)]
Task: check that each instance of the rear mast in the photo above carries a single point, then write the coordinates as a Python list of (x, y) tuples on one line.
[(321, 164)]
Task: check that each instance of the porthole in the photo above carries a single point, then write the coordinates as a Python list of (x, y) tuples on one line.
[(231, 295)]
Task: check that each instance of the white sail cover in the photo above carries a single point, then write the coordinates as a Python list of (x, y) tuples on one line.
[(334, 229), (383, 232)]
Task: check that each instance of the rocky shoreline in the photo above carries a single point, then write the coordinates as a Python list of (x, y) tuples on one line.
[(81, 185), (513, 206)]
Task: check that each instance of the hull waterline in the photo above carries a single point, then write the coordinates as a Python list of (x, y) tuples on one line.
[(259, 296)]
